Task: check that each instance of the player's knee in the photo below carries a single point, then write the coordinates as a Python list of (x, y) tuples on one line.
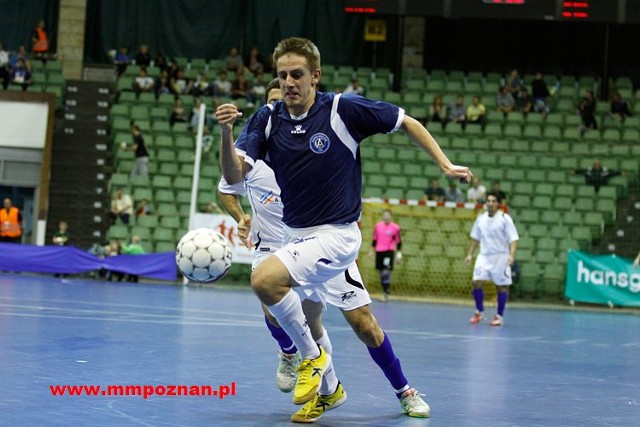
[(366, 327)]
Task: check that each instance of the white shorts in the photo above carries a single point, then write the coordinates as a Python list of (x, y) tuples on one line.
[(493, 267), (346, 291)]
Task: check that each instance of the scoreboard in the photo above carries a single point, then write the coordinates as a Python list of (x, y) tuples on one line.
[(608, 11)]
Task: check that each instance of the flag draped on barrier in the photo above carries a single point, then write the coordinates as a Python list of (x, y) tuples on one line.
[(602, 279), (70, 260)]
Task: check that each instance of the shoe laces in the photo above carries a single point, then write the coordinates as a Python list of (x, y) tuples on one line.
[(413, 397), (287, 365)]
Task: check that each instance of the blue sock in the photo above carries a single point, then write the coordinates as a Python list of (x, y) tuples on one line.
[(478, 295), (285, 343), (502, 301), (386, 359)]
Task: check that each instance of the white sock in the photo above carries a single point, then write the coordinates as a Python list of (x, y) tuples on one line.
[(289, 314), (329, 380)]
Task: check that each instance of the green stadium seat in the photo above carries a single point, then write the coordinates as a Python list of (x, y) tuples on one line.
[(118, 232), (559, 232), (553, 278), (148, 221), (547, 244), (529, 281), (538, 231), (550, 217)]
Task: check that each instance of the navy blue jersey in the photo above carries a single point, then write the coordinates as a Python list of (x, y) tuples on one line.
[(316, 159)]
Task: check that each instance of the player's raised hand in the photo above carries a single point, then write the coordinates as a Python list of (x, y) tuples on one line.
[(226, 114), (244, 230), (461, 173)]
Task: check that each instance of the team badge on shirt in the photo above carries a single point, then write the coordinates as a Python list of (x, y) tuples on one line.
[(319, 143)]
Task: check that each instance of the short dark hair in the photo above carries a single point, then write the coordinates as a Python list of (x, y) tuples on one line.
[(273, 84), (496, 195)]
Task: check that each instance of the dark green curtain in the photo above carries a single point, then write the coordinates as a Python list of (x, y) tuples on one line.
[(18, 19), (208, 29)]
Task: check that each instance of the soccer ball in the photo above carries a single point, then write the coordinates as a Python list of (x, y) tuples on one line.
[(203, 255)]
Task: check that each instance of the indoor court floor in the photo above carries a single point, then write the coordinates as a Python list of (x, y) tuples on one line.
[(543, 368)]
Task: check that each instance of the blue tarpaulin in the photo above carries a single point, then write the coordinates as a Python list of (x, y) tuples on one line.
[(70, 260)]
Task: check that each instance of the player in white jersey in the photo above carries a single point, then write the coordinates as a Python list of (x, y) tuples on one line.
[(311, 140), (345, 292), (498, 238)]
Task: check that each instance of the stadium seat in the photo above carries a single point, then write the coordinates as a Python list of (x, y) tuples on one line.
[(553, 278), (529, 280)]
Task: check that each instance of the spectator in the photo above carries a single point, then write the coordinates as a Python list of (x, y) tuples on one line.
[(386, 240), (502, 196), (40, 42), (453, 194), (139, 148), (597, 175), (61, 237), (458, 112), (438, 111), (254, 61), (10, 223), (434, 192), (195, 115), (143, 82), (5, 75), (21, 75), (143, 209), (143, 57), (134, 248), (114, 249), (505, 101), (354, 87), (121, 61), (161, 62), (514, 84), (178, 113), (258, 87), (587, 110), (477, 193), (476, 112), (202, 86), (524, 102), (540, 93), (233, 61), (619, 107), (222, 85), (121, 206), (14, 57), (180, 84), (241, 88), (163, 83)]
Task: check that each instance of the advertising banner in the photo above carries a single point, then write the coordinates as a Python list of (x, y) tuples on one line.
[(602, 279), (225, 225)]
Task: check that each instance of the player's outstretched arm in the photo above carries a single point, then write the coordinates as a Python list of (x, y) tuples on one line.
[(233, 166), (421, 136)]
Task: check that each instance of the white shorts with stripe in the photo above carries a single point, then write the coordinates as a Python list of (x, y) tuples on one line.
[(493, 267)]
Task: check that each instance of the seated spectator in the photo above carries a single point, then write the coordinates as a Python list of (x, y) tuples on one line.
[(514, 84), (438, 111), (505, 101), (143, 82), (178, 113), (476, 113), (222, 85), (587, 109), (163, 83), (259, 86), (180, 84), (524, 102), (144, 208), (114, 249), (540, 94), (61, 237), (434, 192), (233, 61), (14, 57), (202, 86), (143, 57), (121, 206), (354, 87), (5, 75), (161, 62), (195, 115), (121, 61), (241, 88), (254, 61), (21, 75), (619, 107), (597, 175), (502, 196), (477, 193), (134, 248), (458, 111), (453, 194)]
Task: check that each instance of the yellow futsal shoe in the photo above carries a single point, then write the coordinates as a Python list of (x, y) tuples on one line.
[(320, 404), (310, 374)]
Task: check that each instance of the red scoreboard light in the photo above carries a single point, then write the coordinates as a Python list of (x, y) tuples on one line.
[(575, 9)]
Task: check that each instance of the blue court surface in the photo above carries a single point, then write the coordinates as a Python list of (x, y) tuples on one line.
[(543, 368)]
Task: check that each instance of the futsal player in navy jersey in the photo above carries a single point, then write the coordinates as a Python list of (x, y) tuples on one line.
[(345, 291), (311, 141)]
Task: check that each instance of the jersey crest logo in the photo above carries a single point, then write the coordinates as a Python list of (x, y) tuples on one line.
[(319, 143), (298, 130)]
